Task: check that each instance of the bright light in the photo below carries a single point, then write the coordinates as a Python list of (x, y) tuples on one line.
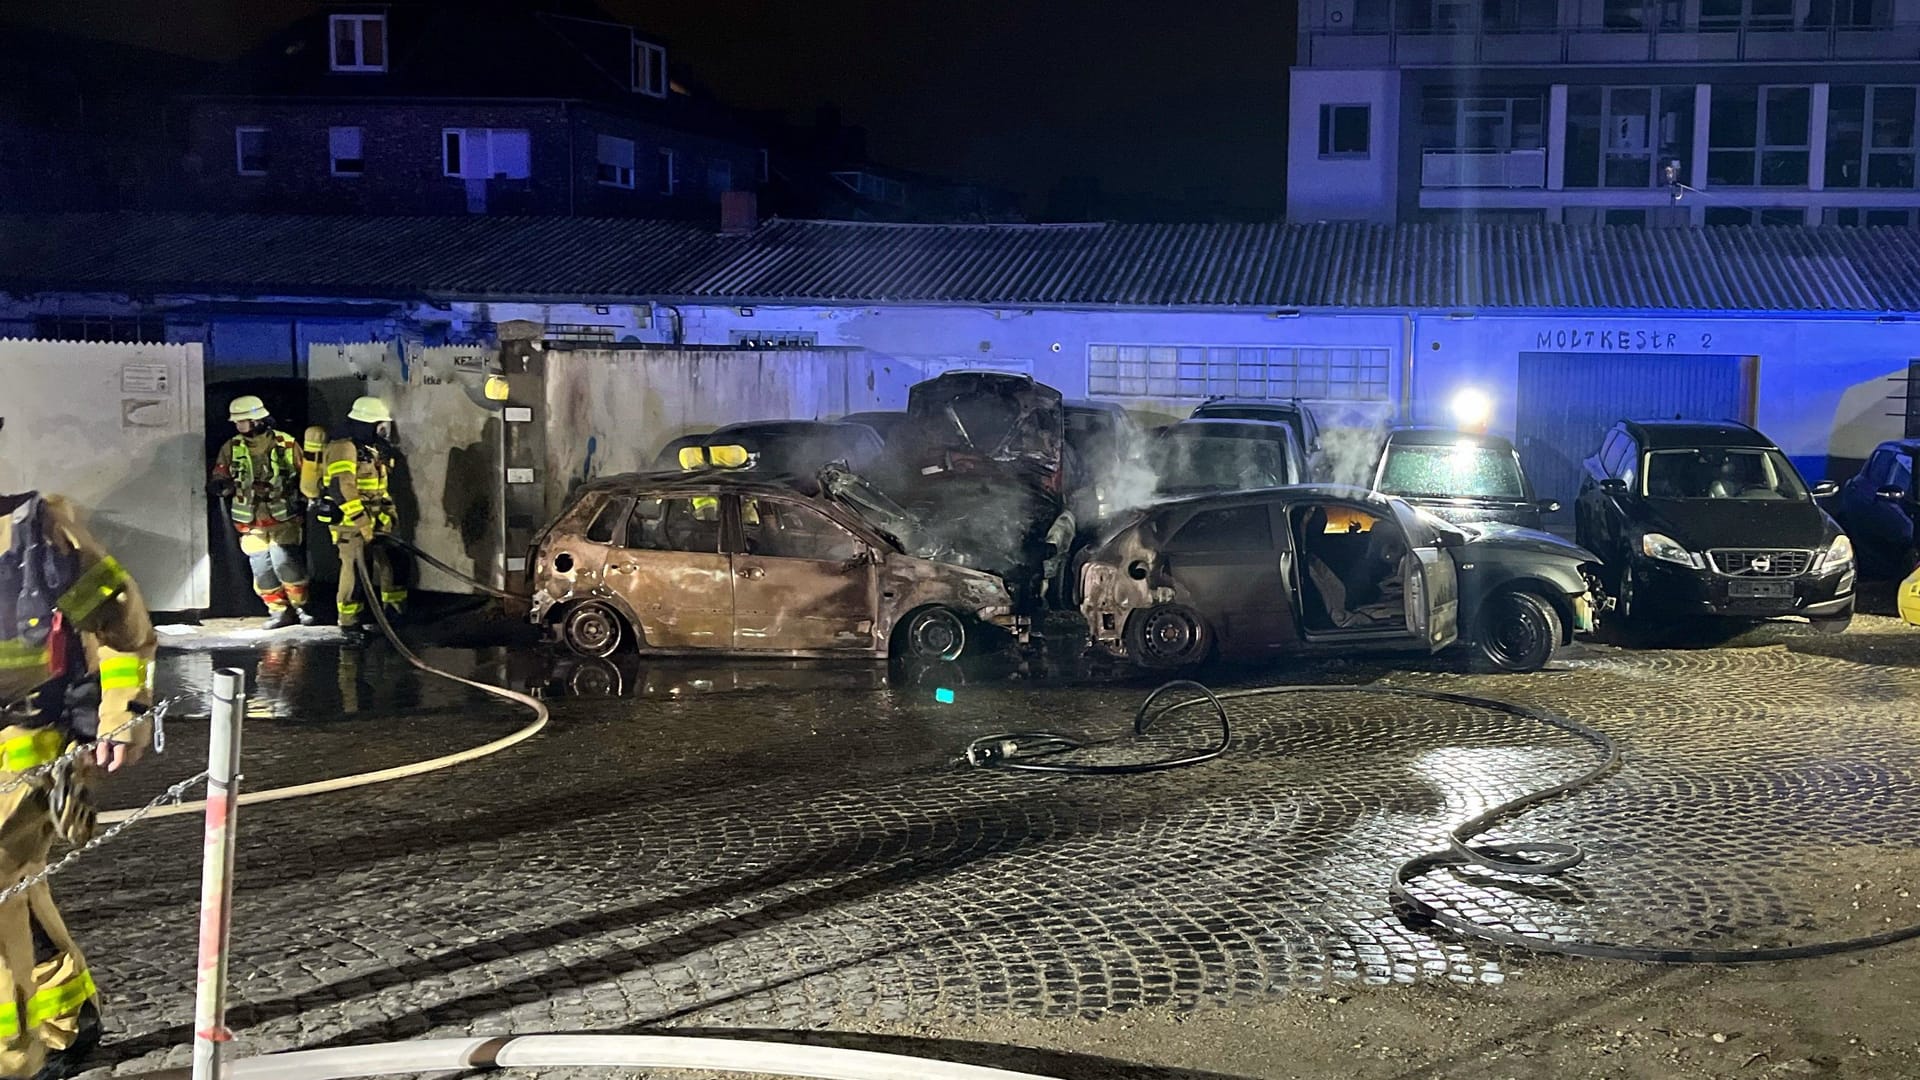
[(1472, 409), (944, 696)]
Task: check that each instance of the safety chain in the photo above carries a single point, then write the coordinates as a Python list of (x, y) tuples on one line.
[(173, 794), (156, 716)]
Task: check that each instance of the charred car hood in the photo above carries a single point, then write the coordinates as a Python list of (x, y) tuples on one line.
[(1703, 524), (1496, 538)]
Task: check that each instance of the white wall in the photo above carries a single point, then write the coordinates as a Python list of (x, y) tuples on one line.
[(1342, 189), (117, 429)]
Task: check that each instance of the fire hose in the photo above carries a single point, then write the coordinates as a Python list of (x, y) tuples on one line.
[(1021, 751), (397, 772)]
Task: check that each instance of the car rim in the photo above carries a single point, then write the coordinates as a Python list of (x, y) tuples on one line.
[(592, 630), (1170, 636), (939, 634), (1516, 633)]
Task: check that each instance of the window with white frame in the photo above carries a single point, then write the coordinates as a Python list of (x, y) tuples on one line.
[(1345, 130), (1871, 137), (1274, 372), (872, 186), (649, 69), (344, 156), (669, 172), (615, 161), (719, 178), (359, 42), (486, 153), (1759, 136), (250, 151)]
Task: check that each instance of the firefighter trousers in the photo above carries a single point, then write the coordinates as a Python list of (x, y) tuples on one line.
[(354, 595), (44, 981), (279, 564)]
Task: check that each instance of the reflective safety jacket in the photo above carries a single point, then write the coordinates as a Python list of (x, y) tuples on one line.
[(71, 621), (265, 472), (357, 476)]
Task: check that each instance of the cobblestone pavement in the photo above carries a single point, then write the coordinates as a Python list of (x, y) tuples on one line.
[(777, 845)]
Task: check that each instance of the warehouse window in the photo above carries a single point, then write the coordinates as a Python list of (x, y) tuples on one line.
[(615, 164), (250, 151), (1195, 371), (99, 328), (359, 42), (344, 156), (485, 153), (1344, 130)]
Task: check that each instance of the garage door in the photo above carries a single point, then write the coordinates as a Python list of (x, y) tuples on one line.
[(1567, 401)]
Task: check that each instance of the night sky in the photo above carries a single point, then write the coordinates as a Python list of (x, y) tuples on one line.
[(1174, 110)]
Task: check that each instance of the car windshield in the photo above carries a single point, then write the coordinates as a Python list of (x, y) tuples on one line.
[(1722, 473), (1464, 469), (1218, 463)]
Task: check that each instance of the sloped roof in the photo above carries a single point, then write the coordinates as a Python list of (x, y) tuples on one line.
[(1336, 265)]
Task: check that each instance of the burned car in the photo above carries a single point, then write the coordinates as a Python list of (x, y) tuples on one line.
[(1327, 569), (1209, 455), (725, 562), (1459, 476)]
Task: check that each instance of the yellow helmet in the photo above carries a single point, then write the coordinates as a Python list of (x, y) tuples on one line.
[(371, 410), (247, 408)]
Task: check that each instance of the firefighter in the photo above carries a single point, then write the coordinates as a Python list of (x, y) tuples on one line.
[(357, 467), (258, 474), (75, 648)]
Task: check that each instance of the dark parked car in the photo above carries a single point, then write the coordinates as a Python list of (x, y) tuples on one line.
[(1111, 450), (884, 424), (1197, 457), (777, 447), (1292, 412), (1710, 518), (1878, 507), (1459, 476), (1327, 569), (725, 563)]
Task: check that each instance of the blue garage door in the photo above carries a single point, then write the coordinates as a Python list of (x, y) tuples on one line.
[(1567, 401)]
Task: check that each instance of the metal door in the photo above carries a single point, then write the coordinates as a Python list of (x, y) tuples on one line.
[(1567, 401)]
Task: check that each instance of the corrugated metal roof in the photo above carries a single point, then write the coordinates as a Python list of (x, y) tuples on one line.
[(1336, 265)]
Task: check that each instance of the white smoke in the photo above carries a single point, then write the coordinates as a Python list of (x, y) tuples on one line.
[(1348, 454)]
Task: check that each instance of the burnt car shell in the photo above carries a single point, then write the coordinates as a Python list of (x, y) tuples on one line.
[(988, 421), (1505, 494), (734, 598)]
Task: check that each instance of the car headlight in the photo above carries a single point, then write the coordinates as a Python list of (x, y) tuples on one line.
[(1838, 556), (1667, 549)]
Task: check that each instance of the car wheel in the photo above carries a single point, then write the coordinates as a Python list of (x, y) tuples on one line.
[(935, 633), (1168, 636), (593, 629), (1518, 631)]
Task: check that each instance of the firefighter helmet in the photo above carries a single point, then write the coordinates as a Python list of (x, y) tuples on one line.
[(247, 408), (370, 410)]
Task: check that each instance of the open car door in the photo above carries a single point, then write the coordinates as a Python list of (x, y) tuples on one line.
[(1432, 582)]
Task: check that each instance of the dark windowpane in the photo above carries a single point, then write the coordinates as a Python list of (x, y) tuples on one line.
[(1846, 127), (344, 54), (1729, 215), (1893, 117), (1734, 117), (1730, 167), (1626, 217), (1789, 108), (607, 520), (1629, 171), (1783, 168), (1240, 528), (1783, 216), (1890, 170), (373, 42)]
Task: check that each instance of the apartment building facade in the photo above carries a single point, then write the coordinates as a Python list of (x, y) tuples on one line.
[(1650, 112)]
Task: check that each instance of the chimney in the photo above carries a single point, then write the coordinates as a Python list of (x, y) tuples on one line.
[(739, 213)]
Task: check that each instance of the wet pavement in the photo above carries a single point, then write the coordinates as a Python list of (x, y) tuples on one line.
[(782, 845)]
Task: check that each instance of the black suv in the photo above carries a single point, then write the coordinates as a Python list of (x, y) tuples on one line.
[(1710, 518)]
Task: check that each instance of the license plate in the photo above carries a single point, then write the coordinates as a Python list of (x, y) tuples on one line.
[(1760, 589)]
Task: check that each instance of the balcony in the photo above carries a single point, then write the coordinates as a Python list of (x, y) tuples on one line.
[(1331, 47), (1483, 169)]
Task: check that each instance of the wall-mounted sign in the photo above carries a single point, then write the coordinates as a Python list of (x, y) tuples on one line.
[(143, 378), (1621, 339)]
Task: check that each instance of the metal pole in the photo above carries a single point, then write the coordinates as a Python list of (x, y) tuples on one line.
[(210, 1035)]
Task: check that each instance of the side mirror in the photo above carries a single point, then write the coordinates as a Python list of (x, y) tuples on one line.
[(1549, 506), (1613, 485), (1891, 493), (1824, 488)]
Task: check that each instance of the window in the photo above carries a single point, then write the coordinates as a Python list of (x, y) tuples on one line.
[(1612, 452), (719, 178), (343, 152), (1642, 14), (1517, 15), (1870, 137), (1723, 15), (615, 164), (669, 172), (688, 524), (250, 151), (1622, 136), (1850, 14), (486, 153), (649, 69), (601, 531), (1239, 528), (1514, 122), (359, 42), (1759, 136), (1747, 215), (1874, 216), (873, 187), (1191, 371), (774, 339), (1624, 217), (779, 530), (99, 328), (1722, 473), (1462, 469), (1345, 130)]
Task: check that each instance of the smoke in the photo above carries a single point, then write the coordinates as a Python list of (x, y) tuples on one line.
[(1348, 454)]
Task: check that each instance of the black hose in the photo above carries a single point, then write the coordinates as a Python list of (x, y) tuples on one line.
[(503, 594), (1017, 749), (1523, 858)]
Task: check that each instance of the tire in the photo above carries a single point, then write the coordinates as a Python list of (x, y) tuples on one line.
[(934, 633), (1167, 637), (593, 629), (1517, 631)]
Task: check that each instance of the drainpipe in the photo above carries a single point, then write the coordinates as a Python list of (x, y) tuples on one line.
[(573, 160), (1406, 370), (679, 324)]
